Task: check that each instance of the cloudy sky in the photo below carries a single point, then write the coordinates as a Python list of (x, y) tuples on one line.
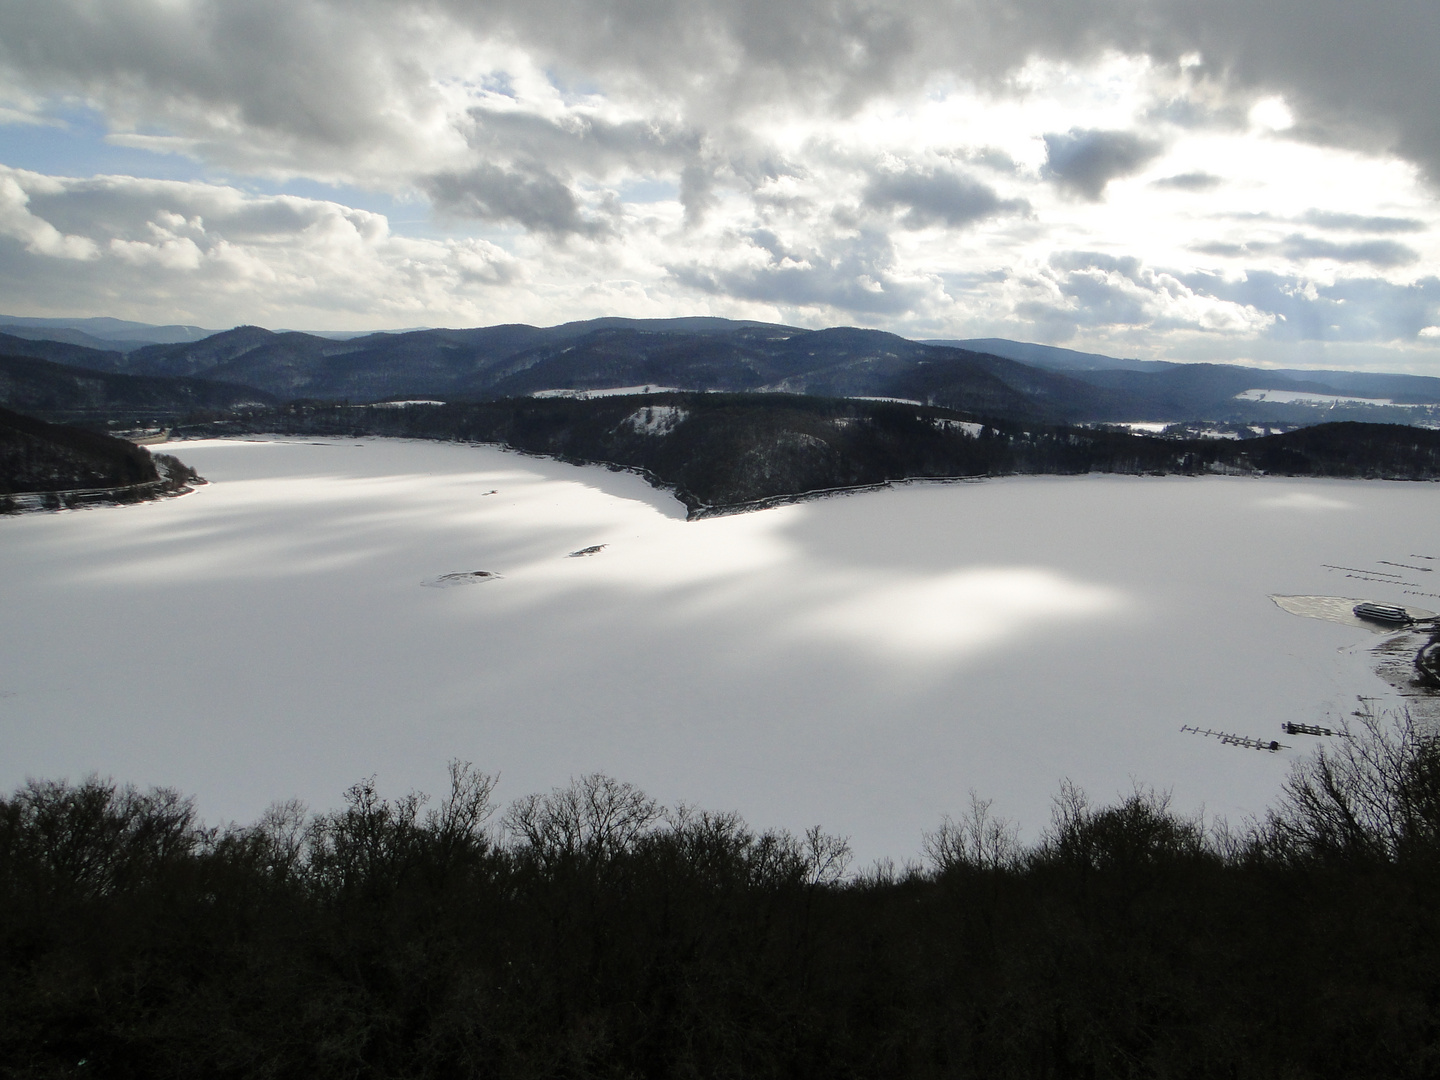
[(1187, 179)]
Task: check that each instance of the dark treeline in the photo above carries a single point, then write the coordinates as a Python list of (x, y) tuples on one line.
[(54, 466), (590, 933), (62, 393), (36, 456), (725, 450)]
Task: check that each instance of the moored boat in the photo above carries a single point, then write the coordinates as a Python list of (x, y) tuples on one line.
[(1383, 613)]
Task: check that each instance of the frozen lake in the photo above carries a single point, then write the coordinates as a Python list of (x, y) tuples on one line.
[(856, 662)]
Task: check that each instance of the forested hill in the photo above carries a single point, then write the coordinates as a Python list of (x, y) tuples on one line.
[(36, 456), (52, 466), (516, 361), (1034, 383), (724, 451), (63, 392)]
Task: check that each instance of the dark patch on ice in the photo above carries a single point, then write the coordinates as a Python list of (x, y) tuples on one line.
[(593, 549), (472, 577)]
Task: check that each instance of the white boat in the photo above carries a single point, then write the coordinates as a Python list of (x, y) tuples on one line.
[(1384, 613)]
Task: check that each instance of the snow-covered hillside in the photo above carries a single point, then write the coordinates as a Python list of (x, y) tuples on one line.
[(856, 662)]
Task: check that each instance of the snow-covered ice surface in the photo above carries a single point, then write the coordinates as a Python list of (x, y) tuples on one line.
[(610, 391), (1301, 397), (1145, 427), (855, 662)]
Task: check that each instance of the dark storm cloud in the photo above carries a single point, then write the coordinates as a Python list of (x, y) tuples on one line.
[(1384, 254), (1082, 162), (1191, 181), (854, 275), (936, 197), (526, 195)]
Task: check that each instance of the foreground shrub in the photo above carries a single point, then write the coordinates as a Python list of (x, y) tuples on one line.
[(1374, 794), (589, 931)]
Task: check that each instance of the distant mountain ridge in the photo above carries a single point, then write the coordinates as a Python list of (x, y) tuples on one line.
[(101, 332), (987, 376), (1051, 357), (57, 389), (695, 354)]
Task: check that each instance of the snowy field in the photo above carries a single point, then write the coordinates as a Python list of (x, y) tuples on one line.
[(857, 662)]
